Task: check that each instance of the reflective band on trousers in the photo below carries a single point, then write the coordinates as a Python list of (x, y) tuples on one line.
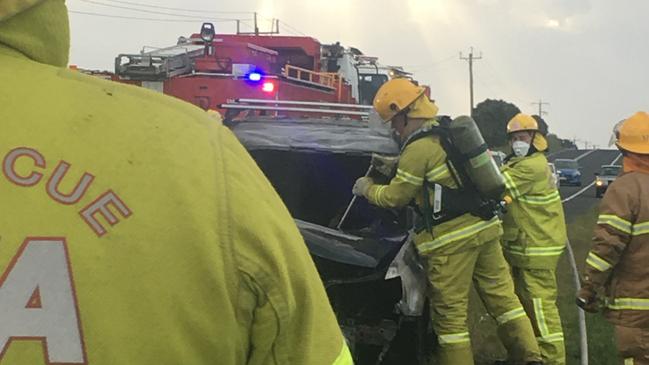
[(540, 317), (597, 262), (454, 338), (511, 315), (638, 304), (460, 234), (409, 178), (541, 200), (623, 225), (555, 337), (345, 357), (546, 336), (534, 251)]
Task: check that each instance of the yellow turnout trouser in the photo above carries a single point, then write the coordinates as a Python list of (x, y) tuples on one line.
[(537, 290), (450, 277)]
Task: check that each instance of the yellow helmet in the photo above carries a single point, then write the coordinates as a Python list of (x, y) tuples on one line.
[(395, 96), (633, 134), (9, 8), (523, 122)]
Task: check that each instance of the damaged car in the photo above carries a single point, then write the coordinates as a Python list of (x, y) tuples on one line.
[(367, 262)]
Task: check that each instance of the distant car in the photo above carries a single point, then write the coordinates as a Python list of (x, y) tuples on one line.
[(555, 175), (605, 177), (568, 171)]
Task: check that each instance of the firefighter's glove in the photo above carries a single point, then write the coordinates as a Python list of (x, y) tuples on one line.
[(587, 300), (362, 186), (386, 165)]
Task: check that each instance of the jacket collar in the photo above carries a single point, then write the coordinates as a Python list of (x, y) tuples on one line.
[(636, 163), (47, 43)]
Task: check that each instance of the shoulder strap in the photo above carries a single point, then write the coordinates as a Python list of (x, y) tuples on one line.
[(424, 132)]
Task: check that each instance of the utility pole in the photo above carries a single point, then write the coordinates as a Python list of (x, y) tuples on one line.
[(274, 27), (470, 59), (256, 26), (540, 103)]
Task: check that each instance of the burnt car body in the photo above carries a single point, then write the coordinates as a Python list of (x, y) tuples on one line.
[(369, 267)]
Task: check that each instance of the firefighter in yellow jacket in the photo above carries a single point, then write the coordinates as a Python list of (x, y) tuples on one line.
[(134, 228), (459, 251), (616, 274), (535, 233)]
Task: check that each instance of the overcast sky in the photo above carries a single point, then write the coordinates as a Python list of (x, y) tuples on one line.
[(589, 59)]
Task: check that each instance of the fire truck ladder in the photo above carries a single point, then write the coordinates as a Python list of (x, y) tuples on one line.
[(159, 64), (362, 111)]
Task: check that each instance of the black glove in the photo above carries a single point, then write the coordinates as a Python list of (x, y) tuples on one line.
[(587, 300)]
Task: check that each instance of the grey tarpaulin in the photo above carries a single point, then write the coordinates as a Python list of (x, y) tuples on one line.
[(318, 135)]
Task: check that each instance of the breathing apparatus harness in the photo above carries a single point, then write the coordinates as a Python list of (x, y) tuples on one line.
[(450, 203)]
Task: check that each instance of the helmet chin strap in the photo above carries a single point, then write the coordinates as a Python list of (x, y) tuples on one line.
[(532, 147), (405, 116)]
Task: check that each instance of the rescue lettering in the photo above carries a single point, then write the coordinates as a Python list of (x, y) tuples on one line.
[(39, 303), (8, 166), (100, 207), (35, 173)]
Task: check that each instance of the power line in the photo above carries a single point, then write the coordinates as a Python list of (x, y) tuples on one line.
[(145, 11), (430, 64), (292, 28), (178, 9), (139, 18)]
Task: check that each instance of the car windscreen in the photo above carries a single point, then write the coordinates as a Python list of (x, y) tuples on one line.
[(566, 164), (610, 170)]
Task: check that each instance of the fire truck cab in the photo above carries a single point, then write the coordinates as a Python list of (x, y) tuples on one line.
[(364, 73)]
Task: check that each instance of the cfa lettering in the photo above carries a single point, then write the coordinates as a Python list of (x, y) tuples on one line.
[(90, 213), (39, 303)]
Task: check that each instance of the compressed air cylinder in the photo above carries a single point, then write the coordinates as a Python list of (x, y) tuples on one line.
[(479, 164)]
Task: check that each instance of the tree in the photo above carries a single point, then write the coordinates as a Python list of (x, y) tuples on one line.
[(492, 117), (543, 126), (555, 143)]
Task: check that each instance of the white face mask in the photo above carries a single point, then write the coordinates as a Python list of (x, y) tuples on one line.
[(520, 148)]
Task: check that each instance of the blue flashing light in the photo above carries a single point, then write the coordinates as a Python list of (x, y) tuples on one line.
[(254, 76)]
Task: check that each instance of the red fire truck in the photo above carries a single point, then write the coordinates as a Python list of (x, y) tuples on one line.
[(294, 74)]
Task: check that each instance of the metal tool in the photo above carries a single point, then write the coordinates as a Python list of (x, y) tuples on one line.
[(351, 203)]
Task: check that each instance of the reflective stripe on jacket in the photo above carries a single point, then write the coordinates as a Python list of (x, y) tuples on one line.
[(425, 159), (619, 258), (535, 229)]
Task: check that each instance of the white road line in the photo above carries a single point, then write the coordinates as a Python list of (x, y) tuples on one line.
[(591, 184), (584, 155)]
